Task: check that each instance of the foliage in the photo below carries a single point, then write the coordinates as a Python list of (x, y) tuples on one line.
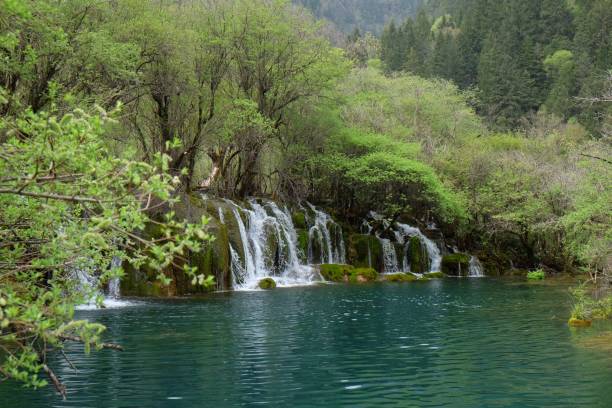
[(536, 275), (68, 205), (522, 55), (587, 307)]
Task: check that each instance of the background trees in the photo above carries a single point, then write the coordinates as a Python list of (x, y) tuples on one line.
[(521, 55)]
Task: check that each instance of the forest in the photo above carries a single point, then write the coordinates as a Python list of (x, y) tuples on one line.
[(490, 120)]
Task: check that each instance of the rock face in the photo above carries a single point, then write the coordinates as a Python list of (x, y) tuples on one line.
[(267, 284), (365, 251), (213, 259), (419, 259), (456, 264)]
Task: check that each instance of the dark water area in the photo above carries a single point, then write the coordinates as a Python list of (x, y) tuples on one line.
[(455, 343)]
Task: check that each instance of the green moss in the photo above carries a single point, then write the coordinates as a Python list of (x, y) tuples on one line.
[(434, 275), (347, 273), (419, 259), (456, 264), (335, 272), (302, 243), (359, 275), (536, 275), (299, 219), (399, 277), (267, 284), (365, 251)]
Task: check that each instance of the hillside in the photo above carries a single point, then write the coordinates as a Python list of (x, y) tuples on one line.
[(367, 15)]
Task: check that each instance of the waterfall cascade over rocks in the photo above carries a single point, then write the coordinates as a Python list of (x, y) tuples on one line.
[(88, 284), (259, 238), (406, 249), (269, 242), (475, 270)]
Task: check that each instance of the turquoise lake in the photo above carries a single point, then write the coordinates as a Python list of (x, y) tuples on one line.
[(449, 343)]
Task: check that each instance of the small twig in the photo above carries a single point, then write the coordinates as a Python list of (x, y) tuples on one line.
[(68, 360), (80, 340), (595, 157), (51, 196), (61, 388)]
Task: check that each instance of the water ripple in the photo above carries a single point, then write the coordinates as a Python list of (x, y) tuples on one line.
[(455, 343)]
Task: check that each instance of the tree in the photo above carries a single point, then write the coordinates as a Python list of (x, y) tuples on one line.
[(561, 70), (68, 205), (55, 48)]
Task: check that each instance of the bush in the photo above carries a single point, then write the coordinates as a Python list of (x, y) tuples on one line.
[(536, 275)]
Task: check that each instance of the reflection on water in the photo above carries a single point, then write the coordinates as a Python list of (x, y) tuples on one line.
[(459, 343)]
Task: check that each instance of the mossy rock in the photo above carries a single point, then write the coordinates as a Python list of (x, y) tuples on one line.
[(299, 220), (399, 277), (302, 244), (434, 275), (361, 275), (347, 273), (359, 246), (335, 272), (267, 284), (574, 322), (419, 258), (456, 264)]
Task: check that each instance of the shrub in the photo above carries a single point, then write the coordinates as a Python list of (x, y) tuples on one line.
[(536, 275)]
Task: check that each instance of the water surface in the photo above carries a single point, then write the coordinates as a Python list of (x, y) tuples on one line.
[(459, 343)]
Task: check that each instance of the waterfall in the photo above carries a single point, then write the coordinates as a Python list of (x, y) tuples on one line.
[(328, 234), (245, 271), (114, 287), (221, 216), (237, 268), (269, 242), (435, 258), (389, 256), (88, 284), (475, 269)]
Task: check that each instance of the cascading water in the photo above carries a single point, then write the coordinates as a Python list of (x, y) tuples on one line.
[(89, 285), (389, 256), (328, 235), (114, 288), (221, 216), (435, 258), (401, 232), (475, 268), (269, 244), (242, 271)]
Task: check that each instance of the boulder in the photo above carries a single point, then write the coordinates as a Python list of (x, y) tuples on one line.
[(267, 284), (399, 277), (335, 272), (347, 273), (361, 275)]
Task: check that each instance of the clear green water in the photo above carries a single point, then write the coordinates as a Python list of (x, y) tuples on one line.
[(456, 343)]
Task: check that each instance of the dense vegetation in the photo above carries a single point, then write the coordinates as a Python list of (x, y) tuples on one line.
[(520, 56), (438, 122)]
